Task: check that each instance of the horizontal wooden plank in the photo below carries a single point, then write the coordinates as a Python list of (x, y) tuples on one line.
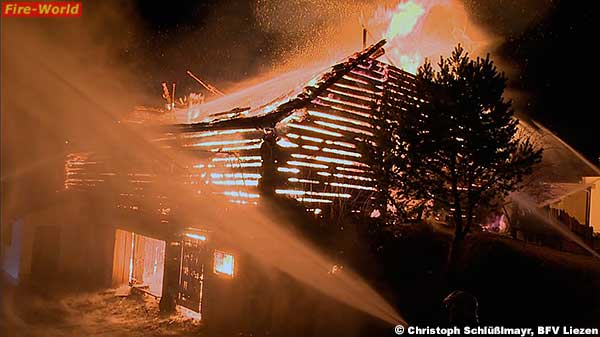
[(334, 107), (321, 153), (346, 95), (374, 76), (356, 92), (354, 81), (364, 78), (343, 99), (341, 118), (349, 134)]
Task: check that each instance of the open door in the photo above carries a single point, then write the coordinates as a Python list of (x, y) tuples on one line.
[(191, 277), (139, 260)]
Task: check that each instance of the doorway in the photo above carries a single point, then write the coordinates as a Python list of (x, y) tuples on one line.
[(139, 260)]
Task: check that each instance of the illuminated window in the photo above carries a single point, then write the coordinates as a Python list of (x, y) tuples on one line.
[(224, 263)]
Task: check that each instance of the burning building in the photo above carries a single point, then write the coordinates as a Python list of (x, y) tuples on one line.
[(241, 148), (302, 145)]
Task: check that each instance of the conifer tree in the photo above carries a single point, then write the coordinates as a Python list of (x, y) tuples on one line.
[(454, 146)]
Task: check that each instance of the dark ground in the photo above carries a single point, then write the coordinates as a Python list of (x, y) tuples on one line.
[(517, 285)]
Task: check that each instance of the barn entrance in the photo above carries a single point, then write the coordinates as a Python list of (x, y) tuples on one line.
[(140, 261)]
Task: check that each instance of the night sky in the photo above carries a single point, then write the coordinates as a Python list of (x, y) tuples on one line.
[(553, 55), (556, 70)]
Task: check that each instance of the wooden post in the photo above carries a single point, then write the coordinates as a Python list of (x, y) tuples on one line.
[(173, 99), (170, 288)]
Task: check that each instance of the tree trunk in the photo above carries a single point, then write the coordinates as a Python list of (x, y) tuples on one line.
[(454, 254), (459, 233)]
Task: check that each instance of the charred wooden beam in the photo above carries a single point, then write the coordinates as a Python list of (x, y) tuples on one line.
[(206, 85)]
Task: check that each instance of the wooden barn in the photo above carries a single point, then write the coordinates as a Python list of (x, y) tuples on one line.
[(303, 145)]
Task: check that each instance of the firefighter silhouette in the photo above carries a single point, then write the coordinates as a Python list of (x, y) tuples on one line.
[(462, 309)]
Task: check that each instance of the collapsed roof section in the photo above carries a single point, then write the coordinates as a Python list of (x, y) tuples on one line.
[(320, 126), (267, 114), (319, 129)]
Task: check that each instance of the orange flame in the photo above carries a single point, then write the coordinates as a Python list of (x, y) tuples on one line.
[(414, 29), (404, 19), (419, 29)]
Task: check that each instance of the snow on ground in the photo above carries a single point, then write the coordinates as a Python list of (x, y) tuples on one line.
[(91, 314)]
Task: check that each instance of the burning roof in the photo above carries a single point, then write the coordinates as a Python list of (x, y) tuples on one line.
[(279, 95), (320, 122), (261, 105)]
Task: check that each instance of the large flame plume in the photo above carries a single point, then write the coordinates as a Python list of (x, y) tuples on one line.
[(414, 29), (419, 29), (322, 33)]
